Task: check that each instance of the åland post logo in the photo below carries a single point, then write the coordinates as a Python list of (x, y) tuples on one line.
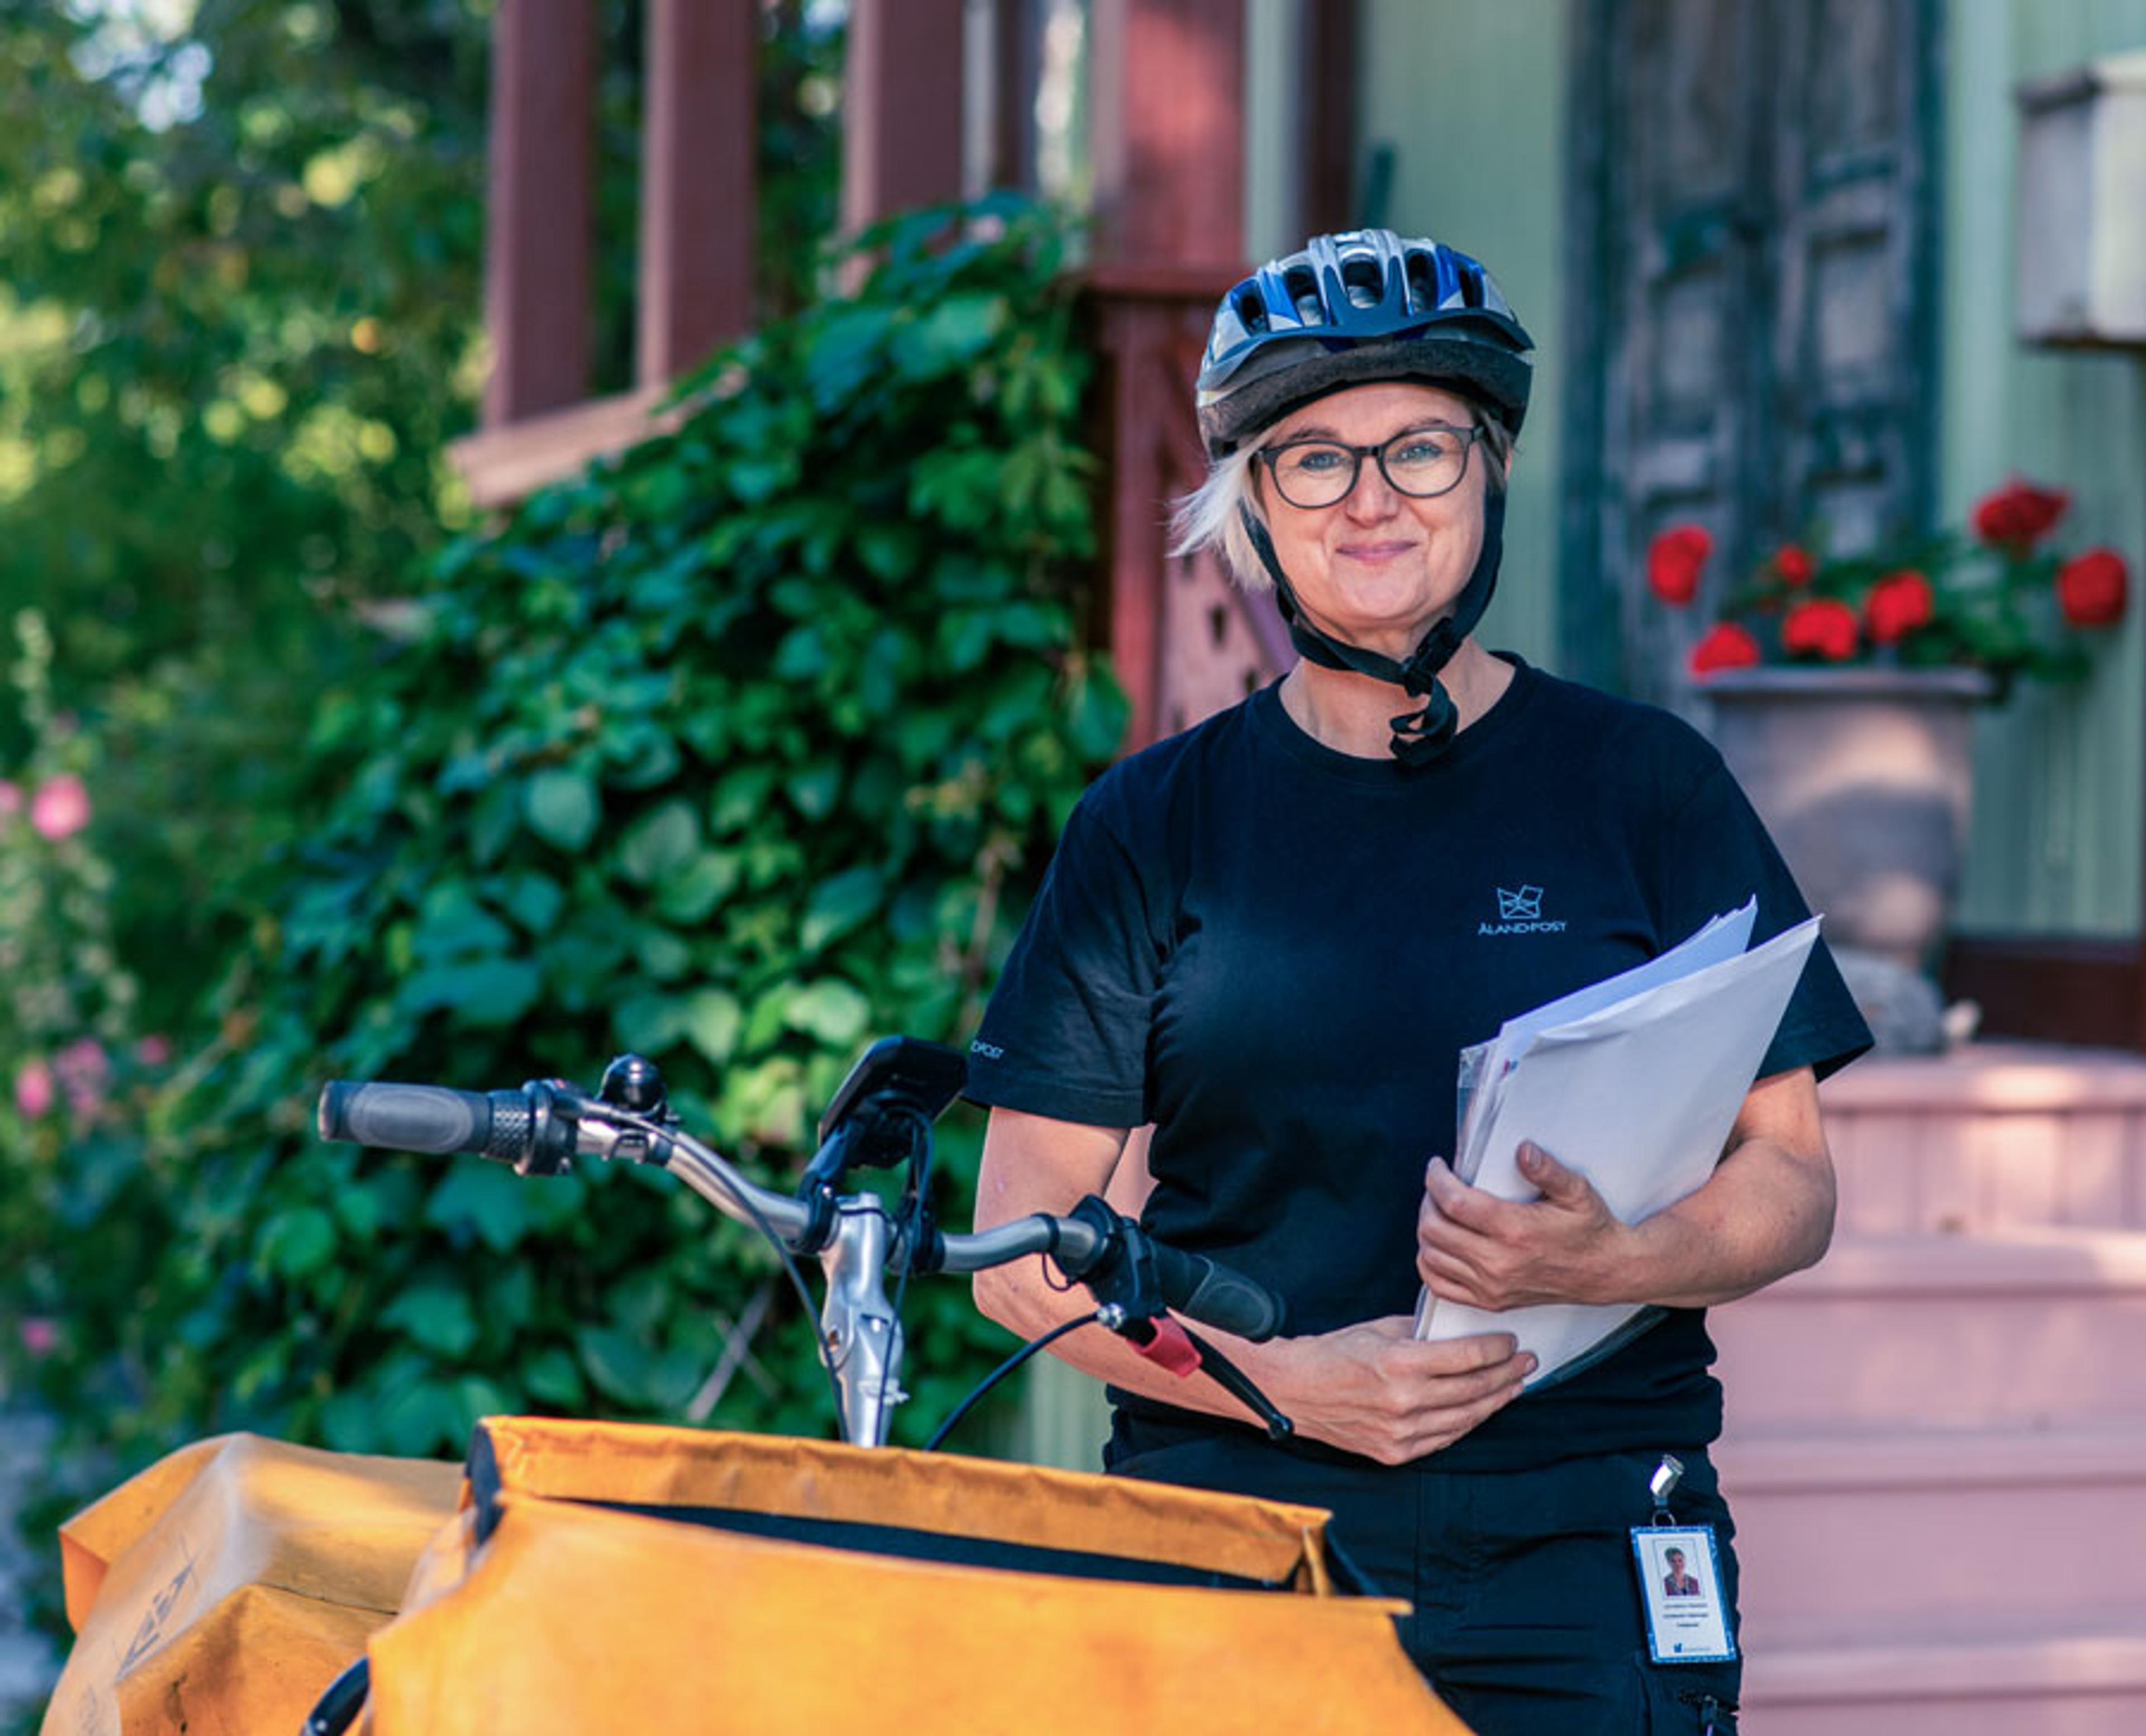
[(1520, 912)]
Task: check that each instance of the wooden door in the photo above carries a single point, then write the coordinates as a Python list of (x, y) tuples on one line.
[(1753, 314)]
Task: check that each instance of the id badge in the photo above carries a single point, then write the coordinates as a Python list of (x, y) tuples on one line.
[(1680, 1584)]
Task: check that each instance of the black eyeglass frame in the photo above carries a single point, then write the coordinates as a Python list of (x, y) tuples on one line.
[(1270, 456)]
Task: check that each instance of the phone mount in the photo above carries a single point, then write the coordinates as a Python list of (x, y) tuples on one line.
[(880, 1119)]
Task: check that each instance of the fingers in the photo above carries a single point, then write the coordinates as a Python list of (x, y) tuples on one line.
[(1393, 1398), (1481, 1350), (1454, 1258), (1451, 1279), (1462, 1402), (1457, 1202), (1556, 1181)]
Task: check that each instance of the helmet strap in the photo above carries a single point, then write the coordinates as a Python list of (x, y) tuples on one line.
[(1420, 735)]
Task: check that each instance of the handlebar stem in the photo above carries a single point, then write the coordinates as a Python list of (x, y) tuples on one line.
[(858, 1323)]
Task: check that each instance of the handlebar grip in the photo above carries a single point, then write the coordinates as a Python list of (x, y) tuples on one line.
[(428, 1117), (1213, 1294)]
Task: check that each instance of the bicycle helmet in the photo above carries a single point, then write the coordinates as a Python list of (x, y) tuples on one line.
[(1350, 310)]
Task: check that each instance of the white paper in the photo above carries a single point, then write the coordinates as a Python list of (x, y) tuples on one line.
[(1639, 1095), (1720, 939)]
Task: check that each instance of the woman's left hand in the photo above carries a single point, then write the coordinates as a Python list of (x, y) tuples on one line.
[(1475, 1247)]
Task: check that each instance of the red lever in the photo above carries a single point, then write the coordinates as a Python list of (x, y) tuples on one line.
[(1169, 1345)]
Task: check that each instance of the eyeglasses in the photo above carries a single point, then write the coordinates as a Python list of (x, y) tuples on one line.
[(1419, 462)]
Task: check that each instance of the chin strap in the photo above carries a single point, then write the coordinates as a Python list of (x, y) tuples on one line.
[(1420, 735)]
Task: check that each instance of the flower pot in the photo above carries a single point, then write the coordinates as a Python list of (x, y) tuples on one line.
[(1863, 776)]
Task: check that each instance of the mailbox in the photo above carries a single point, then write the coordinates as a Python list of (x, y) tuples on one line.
[(2081, 227)]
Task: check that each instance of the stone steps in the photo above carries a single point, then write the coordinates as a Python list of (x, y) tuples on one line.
[(2026, 1327), (1996, 1137), (2082, 1683), (1936, 1448), (1922, 1536)]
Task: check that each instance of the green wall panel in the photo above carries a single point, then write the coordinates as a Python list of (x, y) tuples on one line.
[(1469, 99), (2060, 775)]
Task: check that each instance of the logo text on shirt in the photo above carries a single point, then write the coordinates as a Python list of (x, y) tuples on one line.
[(1519, 912)]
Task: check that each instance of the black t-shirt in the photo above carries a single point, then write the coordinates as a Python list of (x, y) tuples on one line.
[(1275, 953)]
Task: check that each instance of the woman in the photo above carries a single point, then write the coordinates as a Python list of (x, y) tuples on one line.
[(1270, 937)]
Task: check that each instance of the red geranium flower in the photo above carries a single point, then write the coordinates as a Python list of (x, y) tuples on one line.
[(1675, 560), (2092, 587), (1821, 629), (1725, 647), (1793, 564), (2019, 515), (1898, 604)]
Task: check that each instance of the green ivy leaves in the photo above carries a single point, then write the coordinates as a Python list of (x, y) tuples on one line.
[(563, 808)]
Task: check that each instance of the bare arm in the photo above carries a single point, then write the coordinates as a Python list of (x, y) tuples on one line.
[(1370, 1389), (1766, 1211)]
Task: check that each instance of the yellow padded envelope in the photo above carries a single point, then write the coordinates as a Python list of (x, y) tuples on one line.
[(223, 1589)]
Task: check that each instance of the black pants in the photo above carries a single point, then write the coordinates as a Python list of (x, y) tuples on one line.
[(1527, 1618)]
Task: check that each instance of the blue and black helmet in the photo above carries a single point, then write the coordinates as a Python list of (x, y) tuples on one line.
[(1350, 309)]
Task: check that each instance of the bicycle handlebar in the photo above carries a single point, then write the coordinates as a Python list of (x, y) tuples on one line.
[(537, 1128)]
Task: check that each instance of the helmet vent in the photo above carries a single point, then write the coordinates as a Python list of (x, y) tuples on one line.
[(1422, 282), (1363, 280), (1471, 287), (1303, 290), (1251, 309)]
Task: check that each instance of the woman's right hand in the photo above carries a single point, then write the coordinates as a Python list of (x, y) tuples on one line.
[(1374, 1388)]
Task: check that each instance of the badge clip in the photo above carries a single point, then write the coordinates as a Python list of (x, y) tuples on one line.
[(1668, 1474)]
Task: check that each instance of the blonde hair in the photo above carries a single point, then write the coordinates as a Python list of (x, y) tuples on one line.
[(1213, 515)]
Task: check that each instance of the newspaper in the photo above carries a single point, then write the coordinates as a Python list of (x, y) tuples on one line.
[(1634, 1082)]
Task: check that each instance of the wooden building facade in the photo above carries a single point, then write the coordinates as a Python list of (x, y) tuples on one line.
[(1758, 245)]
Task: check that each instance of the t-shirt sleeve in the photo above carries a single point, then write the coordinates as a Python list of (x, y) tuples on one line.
[(1066, 1032), (1717, 853)]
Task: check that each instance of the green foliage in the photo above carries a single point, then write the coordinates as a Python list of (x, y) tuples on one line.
[(238, 323), (77, 1073), (740, 752)]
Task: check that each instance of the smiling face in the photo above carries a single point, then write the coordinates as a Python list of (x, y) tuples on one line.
[(1379, 568)]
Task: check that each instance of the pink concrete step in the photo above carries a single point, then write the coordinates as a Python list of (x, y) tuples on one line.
[(2034, 1328), (1993, 1137), (2091, 1682), (1925, 1536)]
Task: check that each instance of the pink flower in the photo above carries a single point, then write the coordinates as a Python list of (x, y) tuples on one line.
[(84, 1071), (40, 1337), (61, 807), (11, 800), (153, 1050), (34, 1090)]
